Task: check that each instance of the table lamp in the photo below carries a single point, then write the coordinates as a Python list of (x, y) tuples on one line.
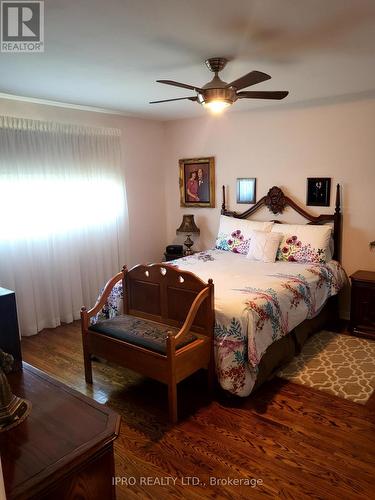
[(188, 226)]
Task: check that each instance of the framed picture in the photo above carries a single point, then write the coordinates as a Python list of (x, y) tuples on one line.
[(246, 190), (318, 191), (197, 182)]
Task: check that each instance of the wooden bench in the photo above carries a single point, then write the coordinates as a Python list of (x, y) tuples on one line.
[(166, 331)]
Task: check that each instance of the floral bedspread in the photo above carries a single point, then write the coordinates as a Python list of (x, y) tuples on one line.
[(255, 305)]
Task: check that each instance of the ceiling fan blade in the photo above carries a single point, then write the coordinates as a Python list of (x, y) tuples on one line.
[(251, 78), (178, 84), (178, 99), (263, 95)]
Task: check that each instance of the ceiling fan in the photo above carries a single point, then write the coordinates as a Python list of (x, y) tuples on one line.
[(217, 95)]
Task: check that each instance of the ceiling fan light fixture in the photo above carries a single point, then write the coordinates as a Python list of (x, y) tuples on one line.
[(216, 99), (217, 95), (217, 106)]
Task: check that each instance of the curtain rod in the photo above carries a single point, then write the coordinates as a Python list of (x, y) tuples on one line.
[(16, 123)]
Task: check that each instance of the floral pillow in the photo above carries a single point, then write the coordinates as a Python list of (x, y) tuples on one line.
[(304, 243), (293, 250), (234, 242), (235, 234)]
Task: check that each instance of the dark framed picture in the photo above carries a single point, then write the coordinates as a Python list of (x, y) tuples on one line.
[(197, 182), (246, 190), (318, 191)]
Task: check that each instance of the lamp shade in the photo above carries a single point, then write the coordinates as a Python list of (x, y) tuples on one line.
[(188, 225)]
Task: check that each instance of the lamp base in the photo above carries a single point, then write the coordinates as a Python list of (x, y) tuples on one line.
[(188, 243), (14, 413)]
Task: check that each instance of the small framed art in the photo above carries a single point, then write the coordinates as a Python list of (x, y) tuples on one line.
[(318, 191), (246, 190), (197, 182)]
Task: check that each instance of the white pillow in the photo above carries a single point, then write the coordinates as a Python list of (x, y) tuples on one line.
[(234, 234), (303, 242), (263, 246)]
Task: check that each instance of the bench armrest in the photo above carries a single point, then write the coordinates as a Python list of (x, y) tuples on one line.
[(202, 295), (86, 314)]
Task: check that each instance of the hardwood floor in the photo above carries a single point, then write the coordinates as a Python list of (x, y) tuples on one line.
[(299, 442)]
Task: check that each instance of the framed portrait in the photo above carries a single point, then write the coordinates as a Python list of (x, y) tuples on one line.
[(318, 191), (197, 182), (246, 190)]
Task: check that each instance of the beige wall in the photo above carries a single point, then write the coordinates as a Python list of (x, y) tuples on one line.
[(142, 148)]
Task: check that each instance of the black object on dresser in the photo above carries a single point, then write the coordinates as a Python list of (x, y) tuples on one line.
[(9, 333), (173, 252), (172, 256), (362, 313)]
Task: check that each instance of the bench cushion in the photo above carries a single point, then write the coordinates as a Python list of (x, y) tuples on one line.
[(141, 332)]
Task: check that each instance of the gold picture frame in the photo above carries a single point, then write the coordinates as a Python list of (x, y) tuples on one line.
[(197, 182)]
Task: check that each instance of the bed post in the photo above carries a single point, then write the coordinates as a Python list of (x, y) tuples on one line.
[(337, 226), (125, 295), (223, 209)]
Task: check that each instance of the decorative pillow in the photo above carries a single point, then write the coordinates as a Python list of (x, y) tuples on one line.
[(234, 234), (263, 246), (303, 243)]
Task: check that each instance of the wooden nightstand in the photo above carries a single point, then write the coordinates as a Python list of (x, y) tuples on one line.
[(362, 313)]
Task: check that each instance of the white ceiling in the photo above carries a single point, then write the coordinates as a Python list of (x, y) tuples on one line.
[(108, 54)]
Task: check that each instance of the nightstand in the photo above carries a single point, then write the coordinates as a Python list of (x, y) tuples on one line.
[(362, 311)]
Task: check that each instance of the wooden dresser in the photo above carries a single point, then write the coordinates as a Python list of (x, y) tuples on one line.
[(9, 334), (362, 311), (64, 449)]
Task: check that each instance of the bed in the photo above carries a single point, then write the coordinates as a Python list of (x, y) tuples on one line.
[(257, 304), (264, 312)]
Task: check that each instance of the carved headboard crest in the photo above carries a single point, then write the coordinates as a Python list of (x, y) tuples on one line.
[(275, 200)]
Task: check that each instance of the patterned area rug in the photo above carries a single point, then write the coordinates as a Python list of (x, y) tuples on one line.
[(338, 364)]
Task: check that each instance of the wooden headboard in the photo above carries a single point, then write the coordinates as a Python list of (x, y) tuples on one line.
[(276, 201)]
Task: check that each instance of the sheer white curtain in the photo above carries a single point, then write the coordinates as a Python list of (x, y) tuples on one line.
[(63, 217)]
